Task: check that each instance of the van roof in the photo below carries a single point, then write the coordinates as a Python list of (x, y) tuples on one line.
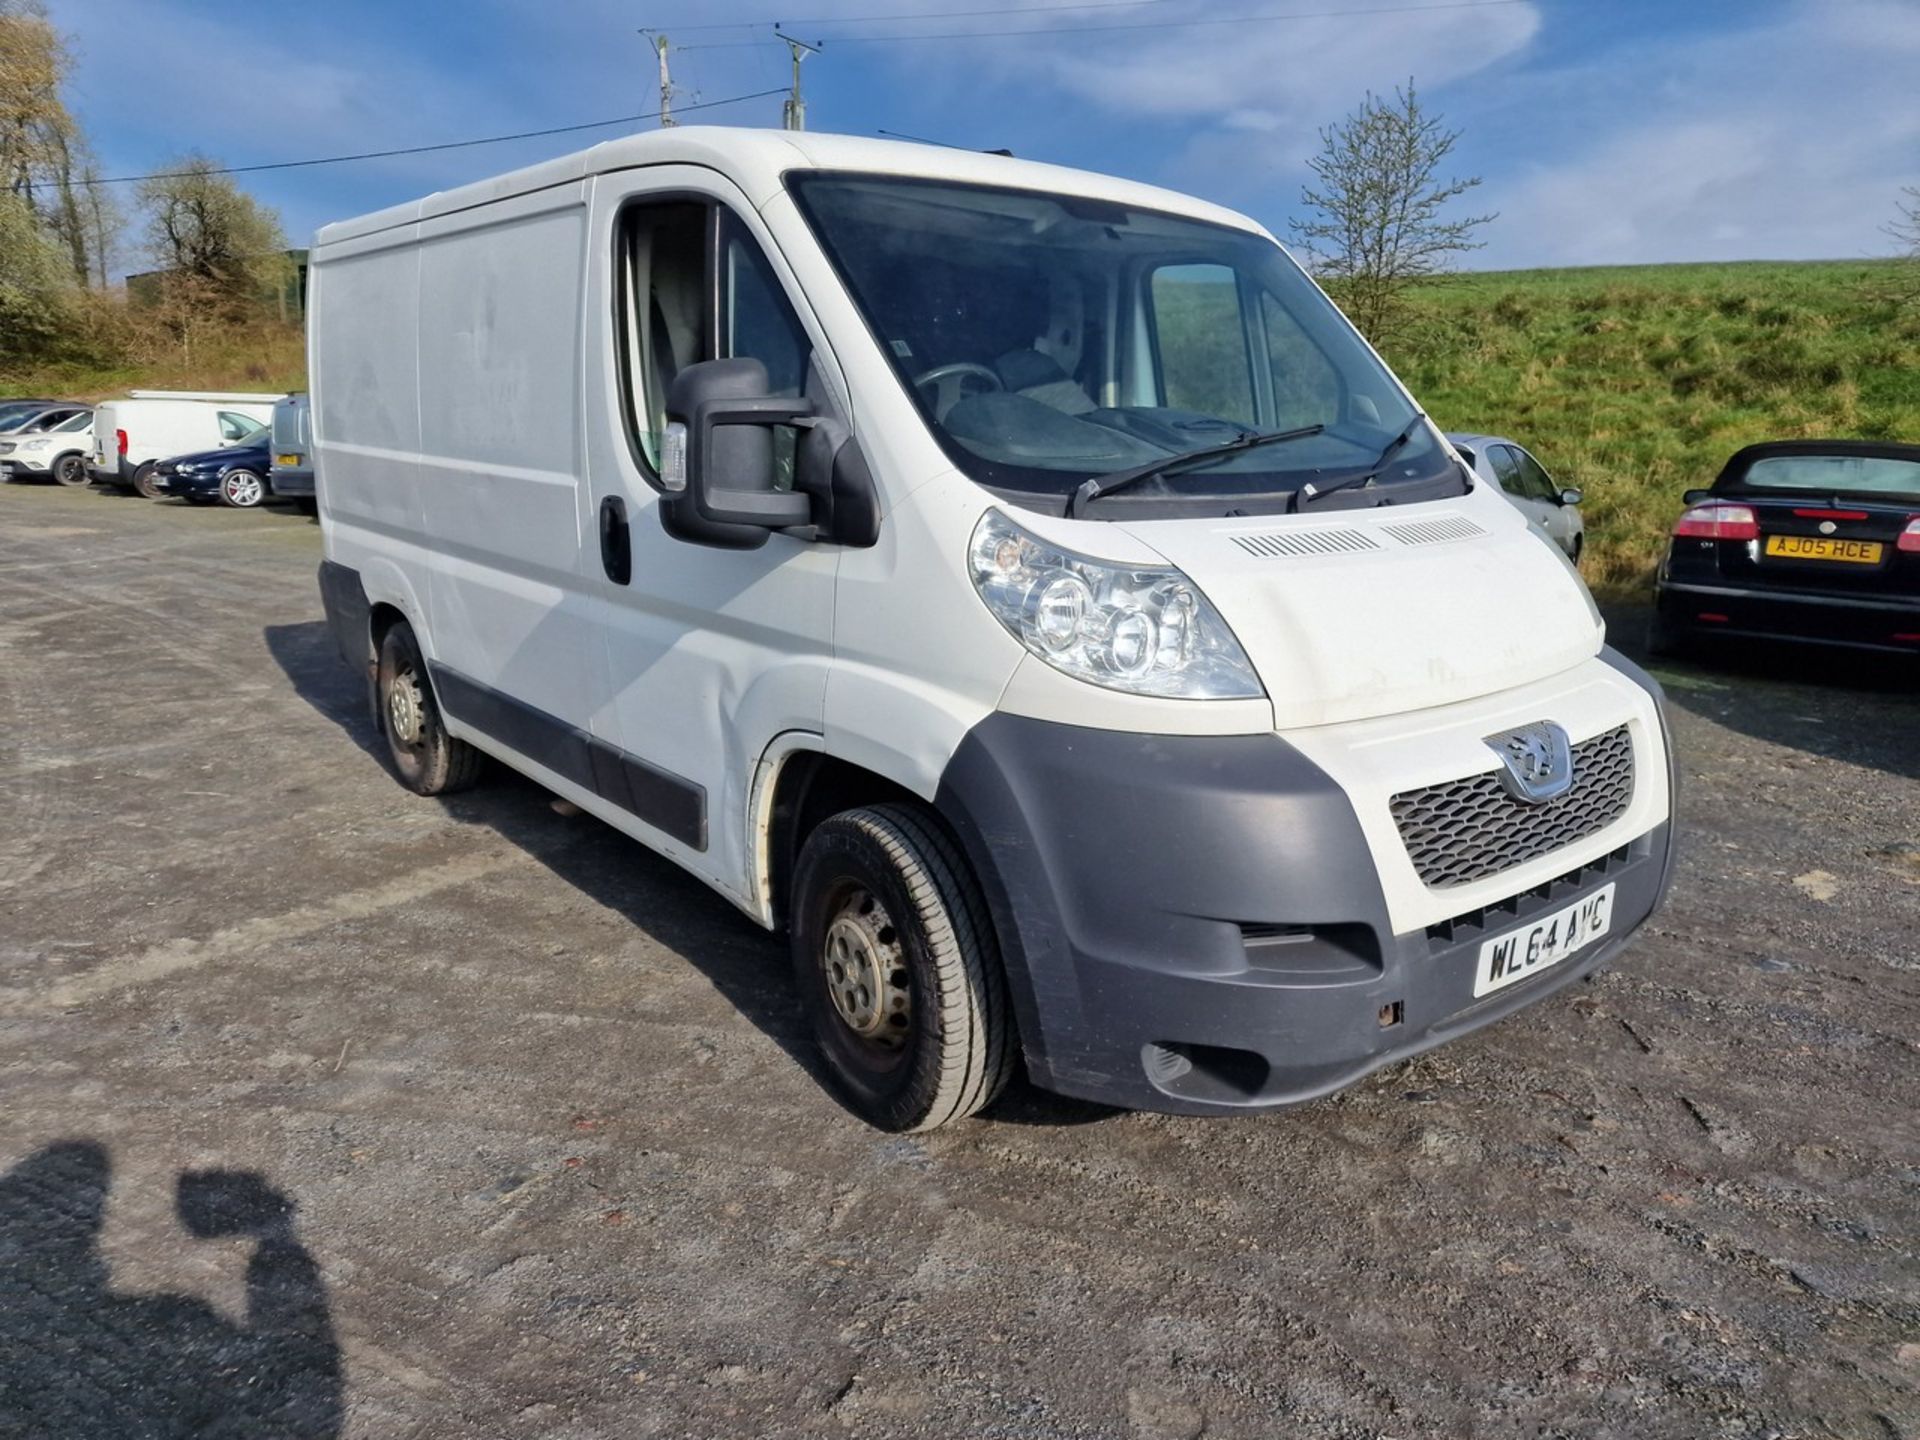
[(755, 160), (227, 397)]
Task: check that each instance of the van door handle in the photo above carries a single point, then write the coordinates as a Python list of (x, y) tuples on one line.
[(616, 540)]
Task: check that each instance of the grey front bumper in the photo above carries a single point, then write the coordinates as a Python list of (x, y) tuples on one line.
[(1194, 924)]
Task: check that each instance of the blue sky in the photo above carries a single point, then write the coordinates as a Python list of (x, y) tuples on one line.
[(1606, 131)]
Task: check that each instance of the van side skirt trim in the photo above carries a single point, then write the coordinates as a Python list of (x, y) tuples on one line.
[(663, 800)]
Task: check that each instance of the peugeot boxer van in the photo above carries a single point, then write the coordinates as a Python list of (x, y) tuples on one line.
[(1023, 587)]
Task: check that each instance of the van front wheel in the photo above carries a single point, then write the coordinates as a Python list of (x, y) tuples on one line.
[(898, 970), (427, 758)]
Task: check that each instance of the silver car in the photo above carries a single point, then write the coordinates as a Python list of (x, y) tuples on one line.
[(1553, 509)]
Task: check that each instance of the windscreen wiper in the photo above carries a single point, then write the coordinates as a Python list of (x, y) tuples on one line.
[(1310, 492), (1101, 485)]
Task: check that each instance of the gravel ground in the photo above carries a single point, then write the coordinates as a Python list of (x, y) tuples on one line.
[(329, 1110)]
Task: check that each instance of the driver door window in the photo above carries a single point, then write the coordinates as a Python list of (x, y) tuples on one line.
[(667, 323), (235, 427), (759, 322), (662, 327), (1201, 346), (1538, 483), (1509, 473)]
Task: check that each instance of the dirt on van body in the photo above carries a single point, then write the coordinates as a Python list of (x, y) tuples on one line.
[(333, 1110)]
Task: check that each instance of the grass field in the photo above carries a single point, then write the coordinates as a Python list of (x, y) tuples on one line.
[(1636, 383)]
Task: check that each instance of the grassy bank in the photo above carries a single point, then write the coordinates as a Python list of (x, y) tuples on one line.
[(265, 357), (1636, 383)]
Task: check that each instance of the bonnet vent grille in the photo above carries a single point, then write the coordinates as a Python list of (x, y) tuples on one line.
[(1276, 543), (1434, 532)]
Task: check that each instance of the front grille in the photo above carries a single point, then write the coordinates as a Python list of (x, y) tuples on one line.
[(1465, 830), (1537, 901)]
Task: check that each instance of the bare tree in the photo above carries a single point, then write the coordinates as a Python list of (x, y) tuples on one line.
[(1376, 224), (103, 220), (1906, 229), (200, 224)]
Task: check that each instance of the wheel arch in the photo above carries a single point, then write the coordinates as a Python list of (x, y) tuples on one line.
[(799, 785)]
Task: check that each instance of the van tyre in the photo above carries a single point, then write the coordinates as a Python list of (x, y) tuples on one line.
[(71, 471), (428, 759), (143, 482), (899, 971)]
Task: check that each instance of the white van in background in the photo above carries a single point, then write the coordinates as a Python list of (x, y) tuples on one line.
[(131, 436), (1022, 586)]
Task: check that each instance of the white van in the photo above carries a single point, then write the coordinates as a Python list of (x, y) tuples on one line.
[(1022, 586), (131, 436)]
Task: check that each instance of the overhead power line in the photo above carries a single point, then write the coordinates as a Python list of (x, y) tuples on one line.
[(1070, 32), (425, 149), (924, 15)]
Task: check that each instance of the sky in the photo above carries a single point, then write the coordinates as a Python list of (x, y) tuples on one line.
[(1604, 131)]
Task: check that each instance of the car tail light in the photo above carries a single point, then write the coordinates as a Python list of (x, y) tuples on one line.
[(1717, 520), (120, 439), (1910, 537)]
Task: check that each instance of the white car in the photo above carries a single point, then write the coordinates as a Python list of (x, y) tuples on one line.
[(57, 451), (134, 435), (1021, 586), (1550, 507)]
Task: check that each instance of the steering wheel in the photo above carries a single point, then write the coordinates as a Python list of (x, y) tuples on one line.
[(950, 382)]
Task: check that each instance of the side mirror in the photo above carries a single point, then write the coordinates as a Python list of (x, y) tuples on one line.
[(1572, 495), (716, 460), (718, 470), (1694, 497)]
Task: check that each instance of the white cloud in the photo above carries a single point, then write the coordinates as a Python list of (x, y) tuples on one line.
[(1789, 140)]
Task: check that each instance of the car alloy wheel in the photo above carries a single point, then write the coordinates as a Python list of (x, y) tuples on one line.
[(71, 470), (242, 489)]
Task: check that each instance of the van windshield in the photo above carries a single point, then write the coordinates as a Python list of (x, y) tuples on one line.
[(1048, 339)]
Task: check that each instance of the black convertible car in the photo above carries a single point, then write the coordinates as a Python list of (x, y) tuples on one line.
[(1815, 541)]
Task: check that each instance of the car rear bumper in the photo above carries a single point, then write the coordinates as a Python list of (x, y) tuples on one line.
[(1861, 622), (115, 472), (1198, 925), (292, 483)]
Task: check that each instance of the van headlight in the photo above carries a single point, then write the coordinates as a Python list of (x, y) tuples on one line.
[(1145, 630)]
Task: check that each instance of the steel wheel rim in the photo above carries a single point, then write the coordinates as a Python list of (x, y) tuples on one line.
[(864, 966), (406, 709)]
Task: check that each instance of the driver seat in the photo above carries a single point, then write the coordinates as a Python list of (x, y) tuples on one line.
[(1040, 377)]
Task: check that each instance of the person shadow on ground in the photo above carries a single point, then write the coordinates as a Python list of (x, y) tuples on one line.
[(78, 1358)]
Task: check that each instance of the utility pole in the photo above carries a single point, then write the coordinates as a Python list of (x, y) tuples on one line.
[(659, 42), (793, 113)]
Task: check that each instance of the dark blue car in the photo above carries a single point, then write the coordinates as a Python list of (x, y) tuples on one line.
[(234, 474)]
